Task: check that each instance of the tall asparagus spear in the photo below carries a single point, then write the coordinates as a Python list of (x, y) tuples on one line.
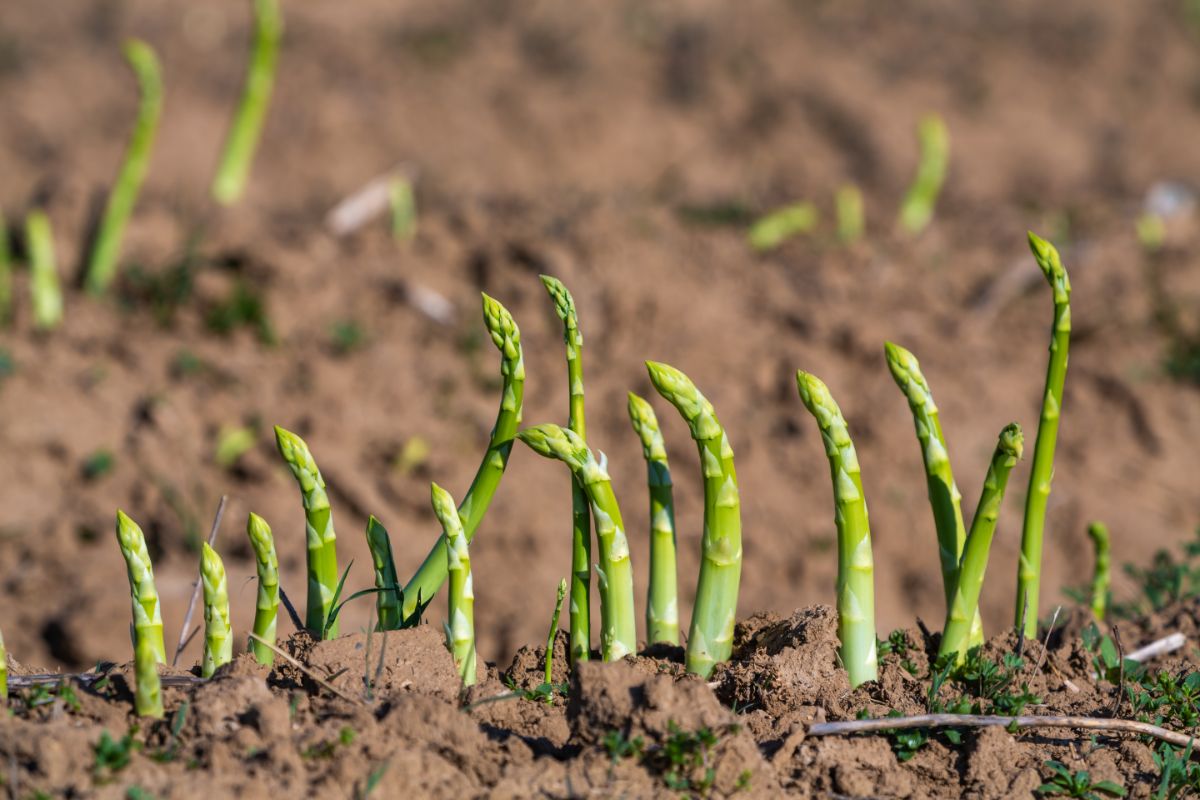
[(218, 634), (710, 636), (856, 567), (964, 608), (1029, 574), (43, 273), (266, 609), (146, 632), (944, 497), (662, 601), (322, 541), (618, 628), (4, 665), (387, 600), (507, 337), (1098, 532), (581, 533), (460, 630)]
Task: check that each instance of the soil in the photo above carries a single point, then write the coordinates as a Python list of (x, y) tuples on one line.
[(621, 147)]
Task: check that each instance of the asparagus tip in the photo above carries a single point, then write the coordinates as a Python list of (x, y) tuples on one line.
[(1012, 441)]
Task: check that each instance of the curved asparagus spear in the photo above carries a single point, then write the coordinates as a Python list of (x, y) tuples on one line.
[(43, 273), (662, 603), (460, 630), (387, 600), (318, 528), (218, 634), (146, 632), (4, 667), (562, 591), (1098, 532), (507, 337), (581, 533), (944, 497), (102, 265), (710, 636), (856, 569), (956, 634), (266, 609), (618, 628), (1042, 471)]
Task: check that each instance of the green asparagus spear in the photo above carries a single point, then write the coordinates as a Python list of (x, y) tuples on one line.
[(1042, 471), (239, 150), (147, 691), (710, 637), (917, 209), (581, 531), (849, 204), (562, 591), (1098, 532), (4, 663), (460, 630), (618, 628), (944, 496), (856, 570), (102, 266), (47, 296), (662, 602), (956, 634), (322, 541), (507, 338), (146, 631), (218, 634), (387, 600), (403, 202), (5, 273), (266, 610)]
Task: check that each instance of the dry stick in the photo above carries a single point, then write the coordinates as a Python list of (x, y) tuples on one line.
[(88, 678), (184, 635), (291, 610), (1160, 647), (312, 675), (1046, 642)]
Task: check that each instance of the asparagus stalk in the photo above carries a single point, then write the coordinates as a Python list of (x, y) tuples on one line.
[(850, 223), (4, 662), (266, 610), (618, 628), (917, 208), (5, 272), (1098, 532), (964, 609), (146, 631), (662, 602), (387, 599), (562, 591), (147, 690), (102, 266), (710, 637), (403, 202), (507, 337), (322, 541), (460, 630), (47, 296), (944, 497), (1042, 471), (243, 137), (856, 570), (218, 634), (581, 532)]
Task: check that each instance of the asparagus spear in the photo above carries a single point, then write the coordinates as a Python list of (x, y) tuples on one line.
[(1098, 532), (47, 296), (917, 208), (507, 337), (849, 205), (618, 629), (218, 634), (147, 690), (562, 591), (322, 541), (944, 497), (856, 570), (102, 266), (146, 631), (266, 610), (1040, 474), (460, 630), (5, 272), (581, 532), (710, 637), (4, 663), (662, 603), (387, 600), (964, 609)]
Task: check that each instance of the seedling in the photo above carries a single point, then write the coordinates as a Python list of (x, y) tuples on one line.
[(916, 211), (266, 607), (1065, 782), (1179, 775), (97, 465), (772, 230), (112, 755), (619, 746)]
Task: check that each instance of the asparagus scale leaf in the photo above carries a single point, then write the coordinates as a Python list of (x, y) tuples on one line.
[(460, 630), (218, 633), (387, 598), (662, 601), (266, 608), (1101, 575)]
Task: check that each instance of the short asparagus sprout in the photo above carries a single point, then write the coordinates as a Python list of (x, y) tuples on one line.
[(102, 265), (234, 168), (403, 202), (5, 273), (146, 630), (710, 636), (218, 634), (944, 497), (44, 285), (581, 531), (1098, 533), (460, 630), (856, 570), (917, 208), (618, 627), (1042, 470), (266, 609), (662, 601), (507, 337), (322, 541), (777, 227), (387, 599), (4, 662), (562, 591), (964, 609), (849, 203)]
